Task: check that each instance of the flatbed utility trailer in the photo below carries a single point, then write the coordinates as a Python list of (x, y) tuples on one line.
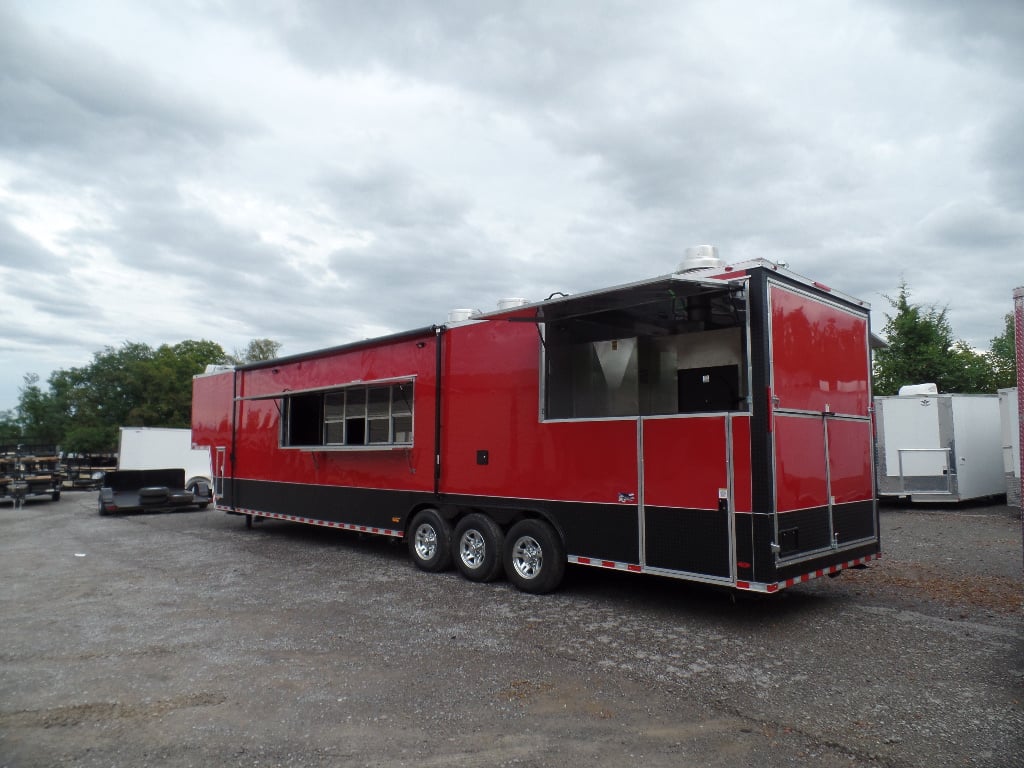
[(712, 425), (29, 476), (126, 491)]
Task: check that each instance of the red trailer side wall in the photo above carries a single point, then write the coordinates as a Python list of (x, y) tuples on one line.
[(211, 409), (491, 403), (258, 452)]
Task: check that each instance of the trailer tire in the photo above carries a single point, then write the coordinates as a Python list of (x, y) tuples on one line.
[(478, 547), (430, 541), (248, 521), (55, 496), (534, 557)]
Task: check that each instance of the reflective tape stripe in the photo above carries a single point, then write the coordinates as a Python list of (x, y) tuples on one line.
[(609, 564), (321, 523)]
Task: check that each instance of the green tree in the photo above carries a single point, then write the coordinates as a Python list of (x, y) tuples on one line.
[(968, 371), (922, 349), (1002, 356), (256, 350), (919, 339), (132, 385), (10, 429), (38, 413)]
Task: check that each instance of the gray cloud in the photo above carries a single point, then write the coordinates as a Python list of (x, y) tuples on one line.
[(528, 51), (1001, 155), (985, 31), (52, 296), (66, 101), (19, 252), (424, 257), (317, 172), (967, 227), (389, 196), (163, 234)]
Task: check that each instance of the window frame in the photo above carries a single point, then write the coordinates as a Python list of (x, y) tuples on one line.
[(406, 413)]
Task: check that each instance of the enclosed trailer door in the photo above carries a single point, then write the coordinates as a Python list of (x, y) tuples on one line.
[(686, 492), (915, 453), (822, 445)]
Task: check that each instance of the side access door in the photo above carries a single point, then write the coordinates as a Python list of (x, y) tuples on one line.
[(694, 478)]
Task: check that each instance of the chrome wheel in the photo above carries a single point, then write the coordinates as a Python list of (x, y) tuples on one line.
[(477, 547), (527, 557), (425, 541), (534, 556), (472, 549), (430, 541)]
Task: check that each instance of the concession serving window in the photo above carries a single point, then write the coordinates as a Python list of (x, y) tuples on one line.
[(665, 347)]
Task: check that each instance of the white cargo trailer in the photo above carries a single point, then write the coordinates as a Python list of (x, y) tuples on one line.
[(1009, 418), (938, 448), (164, 448)]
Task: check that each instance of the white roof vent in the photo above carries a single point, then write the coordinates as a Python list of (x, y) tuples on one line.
[(512, 302), (462, 315), (918, 389), (700, 257)]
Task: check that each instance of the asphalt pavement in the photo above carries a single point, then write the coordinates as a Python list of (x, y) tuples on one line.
[(184, 639)]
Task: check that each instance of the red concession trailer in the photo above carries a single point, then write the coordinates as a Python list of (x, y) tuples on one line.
[(713, 425)]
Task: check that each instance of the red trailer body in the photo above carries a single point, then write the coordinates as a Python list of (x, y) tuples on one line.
[(710, 425)]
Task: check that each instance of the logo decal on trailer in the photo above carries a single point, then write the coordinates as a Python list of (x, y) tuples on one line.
[(627, 498)]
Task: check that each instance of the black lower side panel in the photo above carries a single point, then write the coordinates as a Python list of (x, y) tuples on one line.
[(604, 531), (355, 506), (764, 535), (600, 531), (745, 547), (855, 521), (804, 530), (693, 540)]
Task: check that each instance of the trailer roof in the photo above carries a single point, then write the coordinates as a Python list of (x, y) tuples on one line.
[(636, 299), (428, 331), (709, 278)]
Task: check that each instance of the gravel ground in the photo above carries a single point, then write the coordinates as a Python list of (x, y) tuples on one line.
[(186, 640)]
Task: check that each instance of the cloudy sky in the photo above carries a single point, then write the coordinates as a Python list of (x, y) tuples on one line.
[(319, 171)]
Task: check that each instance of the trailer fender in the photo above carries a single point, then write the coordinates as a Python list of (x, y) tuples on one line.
[(192, 484)]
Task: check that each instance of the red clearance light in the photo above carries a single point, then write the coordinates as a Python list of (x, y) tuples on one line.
[(742, 564), (822, 286)]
